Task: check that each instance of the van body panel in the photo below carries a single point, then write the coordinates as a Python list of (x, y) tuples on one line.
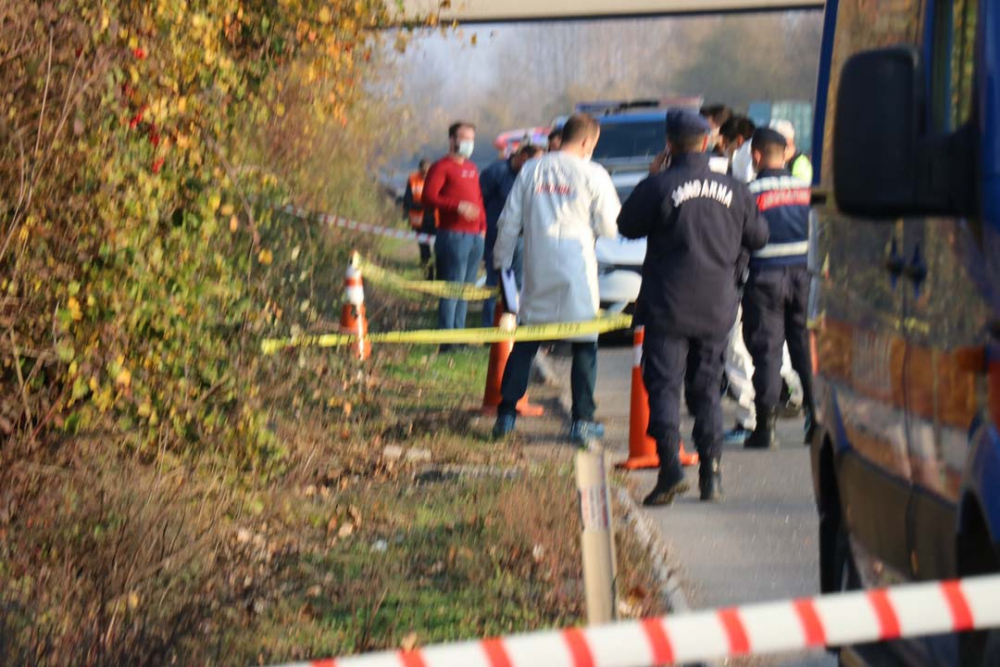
[(907, 315)]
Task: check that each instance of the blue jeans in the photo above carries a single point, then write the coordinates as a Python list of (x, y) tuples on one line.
[(493, 278), (458, 257), (583, 378)]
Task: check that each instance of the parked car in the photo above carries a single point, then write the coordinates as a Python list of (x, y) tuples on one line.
[(619, 260), (906, 456)]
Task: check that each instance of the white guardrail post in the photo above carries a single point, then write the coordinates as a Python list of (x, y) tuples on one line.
[(597, 537)]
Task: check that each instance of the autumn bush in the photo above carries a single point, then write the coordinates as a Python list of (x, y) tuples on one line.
[(139, 266)]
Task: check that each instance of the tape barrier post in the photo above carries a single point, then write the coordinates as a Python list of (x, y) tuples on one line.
[(352, 317), (642, 448), (596, 541), (843, 619), (499, 353)]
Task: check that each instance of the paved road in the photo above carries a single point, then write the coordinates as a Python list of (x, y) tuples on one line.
[(760, 544)]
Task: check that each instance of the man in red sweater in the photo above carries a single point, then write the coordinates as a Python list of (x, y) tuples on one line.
[(452, 187)]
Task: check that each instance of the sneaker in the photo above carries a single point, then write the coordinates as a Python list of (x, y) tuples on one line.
[(582, 431), (666, 490), (504, 426), (737, 435)]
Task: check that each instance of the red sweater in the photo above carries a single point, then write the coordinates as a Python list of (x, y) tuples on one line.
[(450, 183)]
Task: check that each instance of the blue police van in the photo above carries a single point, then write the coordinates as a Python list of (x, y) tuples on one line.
[(906, 309)]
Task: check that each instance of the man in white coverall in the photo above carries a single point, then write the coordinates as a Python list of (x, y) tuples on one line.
[(561, 202)]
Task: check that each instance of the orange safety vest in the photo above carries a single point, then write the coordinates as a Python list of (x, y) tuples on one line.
[(417, 188)]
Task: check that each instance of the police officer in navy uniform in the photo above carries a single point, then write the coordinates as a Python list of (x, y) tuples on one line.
[(698, 223), (777, 290)]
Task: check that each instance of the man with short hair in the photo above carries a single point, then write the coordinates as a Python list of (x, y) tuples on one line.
[(452, 188), (423, 219), (555, 139), (716, 115), (697, 223), (777, 290), (797, 162), (496, 182), (561, 202)]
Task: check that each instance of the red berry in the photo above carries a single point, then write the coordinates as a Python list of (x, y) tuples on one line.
[(157, 165), (139, 53), (154, 139)]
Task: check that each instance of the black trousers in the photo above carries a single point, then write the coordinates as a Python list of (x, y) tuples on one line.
[(671, 364), (775, 310)]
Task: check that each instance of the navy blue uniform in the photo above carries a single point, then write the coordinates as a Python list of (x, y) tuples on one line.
[(777, 290), (698, 223)]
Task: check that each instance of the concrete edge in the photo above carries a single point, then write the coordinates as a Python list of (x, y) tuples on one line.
[(674, 598)]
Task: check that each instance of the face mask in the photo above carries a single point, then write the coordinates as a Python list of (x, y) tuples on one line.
[(466, 147)]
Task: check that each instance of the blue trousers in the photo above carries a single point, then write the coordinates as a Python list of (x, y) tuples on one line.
[(493, 278), (583, 378), (458, 257)]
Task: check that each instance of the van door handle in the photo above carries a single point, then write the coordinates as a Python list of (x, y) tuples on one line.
[(894, 263)]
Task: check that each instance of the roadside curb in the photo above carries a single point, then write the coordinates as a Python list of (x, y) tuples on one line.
[(673, 598)]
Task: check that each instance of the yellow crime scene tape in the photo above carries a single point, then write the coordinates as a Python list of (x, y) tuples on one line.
[(528, 332), (438, 288)]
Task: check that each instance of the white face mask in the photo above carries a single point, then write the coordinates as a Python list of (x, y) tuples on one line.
[(466, 147)]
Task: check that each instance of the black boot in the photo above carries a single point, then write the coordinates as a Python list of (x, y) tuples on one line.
[(671, 481), (763, 436), (710, 479)]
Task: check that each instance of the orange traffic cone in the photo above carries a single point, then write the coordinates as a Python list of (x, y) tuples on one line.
[(499, 352), (352, 317), (641, 447)]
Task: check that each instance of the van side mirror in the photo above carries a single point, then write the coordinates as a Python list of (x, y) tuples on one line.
[(879, 122), (886, 163)]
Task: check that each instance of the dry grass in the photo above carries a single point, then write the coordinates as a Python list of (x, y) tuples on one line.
[(107, 560)]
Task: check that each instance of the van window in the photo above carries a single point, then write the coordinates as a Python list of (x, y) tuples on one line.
[(864, 25)]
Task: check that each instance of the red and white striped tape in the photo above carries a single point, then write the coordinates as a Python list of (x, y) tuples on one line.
[(791, 625), (354, 225)]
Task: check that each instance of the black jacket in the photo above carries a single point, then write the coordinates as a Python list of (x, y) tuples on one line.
[(698, 222)]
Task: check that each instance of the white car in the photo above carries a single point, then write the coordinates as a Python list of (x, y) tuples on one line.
[(619, 260)]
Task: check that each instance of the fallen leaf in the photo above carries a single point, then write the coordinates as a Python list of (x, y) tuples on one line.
[(346, 530), (355, 515)]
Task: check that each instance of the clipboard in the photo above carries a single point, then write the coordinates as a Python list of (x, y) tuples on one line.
[(509, 291)]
